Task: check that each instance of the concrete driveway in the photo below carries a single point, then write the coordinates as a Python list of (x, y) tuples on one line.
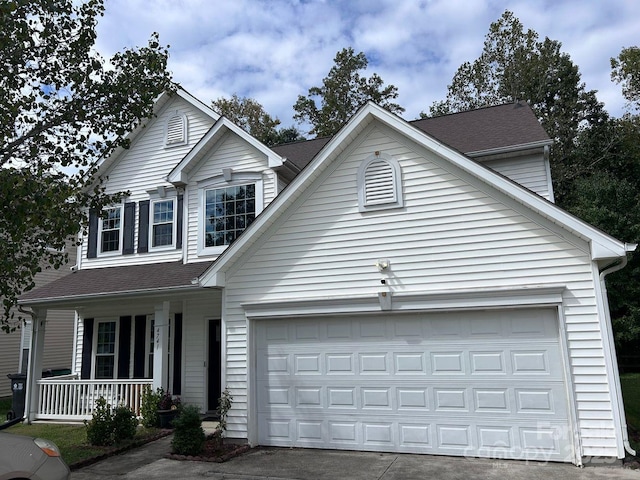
[(305, 464)]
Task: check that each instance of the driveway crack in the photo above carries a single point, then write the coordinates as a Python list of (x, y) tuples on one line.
[(388, 467)]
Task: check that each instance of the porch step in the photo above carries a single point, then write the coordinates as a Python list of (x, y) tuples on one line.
[(209, 426)]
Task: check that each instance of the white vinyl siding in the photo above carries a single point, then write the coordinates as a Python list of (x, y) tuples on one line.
[(455, 233), (144, 167), (243, 160), (529, 171), (177, 128)]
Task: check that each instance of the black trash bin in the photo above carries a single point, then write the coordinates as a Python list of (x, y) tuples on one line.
[(19, 390)]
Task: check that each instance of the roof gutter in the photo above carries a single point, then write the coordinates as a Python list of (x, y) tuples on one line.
[(510, 148), (618, 265), (72, 299)]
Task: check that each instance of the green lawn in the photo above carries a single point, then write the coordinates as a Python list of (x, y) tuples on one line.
[(631, 397), (70, 438)]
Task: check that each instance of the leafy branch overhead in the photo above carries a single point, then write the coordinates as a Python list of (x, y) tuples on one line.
[(62, 108), (343, 91)]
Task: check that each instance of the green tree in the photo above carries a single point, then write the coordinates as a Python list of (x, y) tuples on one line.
[(251, 116), (625, 69), (516, 65), (62, 108), (343, 91)]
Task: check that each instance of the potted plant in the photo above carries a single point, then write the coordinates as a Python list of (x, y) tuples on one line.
[(168, 408)]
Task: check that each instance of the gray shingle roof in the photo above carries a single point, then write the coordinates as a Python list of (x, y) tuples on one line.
[(117, 280), (473, 131)]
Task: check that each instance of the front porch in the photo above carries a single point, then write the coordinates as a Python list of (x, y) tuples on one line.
[(72, 399)]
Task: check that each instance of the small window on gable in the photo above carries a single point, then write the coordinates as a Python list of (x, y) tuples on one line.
[(379, 183), (176, 130)]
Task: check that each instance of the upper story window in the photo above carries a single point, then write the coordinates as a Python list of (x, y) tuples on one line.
[(176, 130), (379, 183), (228, 211), (228, 207), (111, 230), (163, 223)]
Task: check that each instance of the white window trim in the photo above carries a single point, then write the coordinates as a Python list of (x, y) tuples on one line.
[(237, 178), (398, 201), (94, 350), (174, 226), (184, 130), (121, 233)]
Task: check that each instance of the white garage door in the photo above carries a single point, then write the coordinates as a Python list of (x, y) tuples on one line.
[(486, 383)]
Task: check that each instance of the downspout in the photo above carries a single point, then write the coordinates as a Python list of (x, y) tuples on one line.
[(30, 362), (616, 378)]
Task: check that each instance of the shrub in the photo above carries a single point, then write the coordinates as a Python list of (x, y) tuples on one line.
[(100, 427), (125, 424), (149, 407), (224, 405), (110, 425), (188, 436)]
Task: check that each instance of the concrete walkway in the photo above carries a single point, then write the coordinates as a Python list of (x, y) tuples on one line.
[(147, 462)]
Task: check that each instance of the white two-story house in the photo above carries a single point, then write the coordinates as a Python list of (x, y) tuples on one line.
[(401, 286)]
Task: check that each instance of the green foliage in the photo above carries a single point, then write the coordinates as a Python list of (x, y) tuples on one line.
[(100, 428), (62, 108), (516, 65), (188, 436), (625, 69), (150, 405), (110, 425), (224, 405), (125, 424), (343, 91), (605, 192), (630, 383), (250, 115)]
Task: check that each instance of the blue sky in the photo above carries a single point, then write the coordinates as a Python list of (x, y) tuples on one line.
[(274, 50)]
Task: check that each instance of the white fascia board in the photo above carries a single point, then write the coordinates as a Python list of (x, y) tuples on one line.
[(264, 220), (605, 245), (215, 133), (182, 93)]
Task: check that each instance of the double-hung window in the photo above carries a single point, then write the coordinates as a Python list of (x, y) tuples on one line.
[(111, 230), (163, 223), (105, 358), (228, 212)]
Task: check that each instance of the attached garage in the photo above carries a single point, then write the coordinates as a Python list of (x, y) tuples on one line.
[(474, 383)]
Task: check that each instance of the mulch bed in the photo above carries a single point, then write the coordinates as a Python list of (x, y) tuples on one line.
[(213, 452)]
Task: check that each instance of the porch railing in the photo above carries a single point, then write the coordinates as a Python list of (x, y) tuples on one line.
[(68, 398)]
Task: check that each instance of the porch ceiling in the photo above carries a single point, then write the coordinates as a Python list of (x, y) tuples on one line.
[(113, 281)]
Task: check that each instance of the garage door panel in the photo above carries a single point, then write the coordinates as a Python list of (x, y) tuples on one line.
[(472, 383)]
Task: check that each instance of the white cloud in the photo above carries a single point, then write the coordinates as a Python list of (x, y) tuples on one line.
[(275, 50)]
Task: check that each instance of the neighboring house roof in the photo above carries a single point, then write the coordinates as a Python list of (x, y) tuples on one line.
[(486, 130), (603, 246), (118, 281)]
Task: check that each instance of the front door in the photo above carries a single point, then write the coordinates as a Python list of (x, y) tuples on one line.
[(214, 365)]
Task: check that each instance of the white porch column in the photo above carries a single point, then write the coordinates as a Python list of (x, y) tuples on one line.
[(161, 346), (34, 371)]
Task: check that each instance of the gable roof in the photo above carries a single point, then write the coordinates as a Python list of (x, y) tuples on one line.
[(474, 132), (179, 173), (94, 283), (159, 104), (603, 246)]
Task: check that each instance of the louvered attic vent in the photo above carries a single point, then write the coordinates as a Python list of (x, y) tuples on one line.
[(176, 132), (379, 183)]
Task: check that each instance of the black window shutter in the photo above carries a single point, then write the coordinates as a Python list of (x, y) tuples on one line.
[(177, 355), (143, 227), (140, 345), (124, 347), (127, 236), (87, 345), (179, 222), (92, 247)]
